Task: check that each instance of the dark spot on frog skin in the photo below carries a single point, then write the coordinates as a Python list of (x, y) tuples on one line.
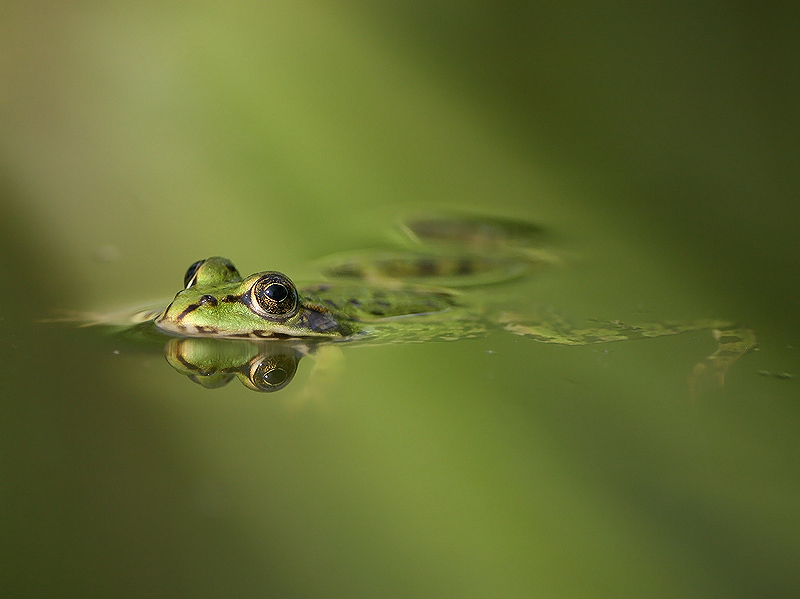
[(187, 310), (205, 300), (208, 300), (465, 266), (269, 335), (427, 267)]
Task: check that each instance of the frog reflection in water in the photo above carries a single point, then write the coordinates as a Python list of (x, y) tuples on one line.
[(212, 363), (396, 297)]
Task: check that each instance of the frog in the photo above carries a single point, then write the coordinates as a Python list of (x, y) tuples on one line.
[(407, 295), (217, 302), (434, 290)]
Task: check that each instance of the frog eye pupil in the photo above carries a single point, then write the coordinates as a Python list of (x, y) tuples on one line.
[(276, 292), (276, 376)]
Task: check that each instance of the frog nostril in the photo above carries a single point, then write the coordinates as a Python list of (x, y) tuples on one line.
[(208, 300)]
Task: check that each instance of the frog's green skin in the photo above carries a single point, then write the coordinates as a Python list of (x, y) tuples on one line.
[(394, 298)]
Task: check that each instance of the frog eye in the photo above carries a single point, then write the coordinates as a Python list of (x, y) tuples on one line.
[(211, 271), (272, 373), (275, 295), (191, 274)]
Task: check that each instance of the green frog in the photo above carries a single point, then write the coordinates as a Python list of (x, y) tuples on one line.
[(435, 291), (387, 297)]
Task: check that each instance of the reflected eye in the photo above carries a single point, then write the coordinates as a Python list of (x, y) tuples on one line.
[(272, 373), (191, 274), (275, 295)]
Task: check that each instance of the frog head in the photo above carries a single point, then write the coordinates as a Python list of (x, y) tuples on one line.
[(217, 302)]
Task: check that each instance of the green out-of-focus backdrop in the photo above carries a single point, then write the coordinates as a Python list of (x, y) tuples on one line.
[(656, 143)]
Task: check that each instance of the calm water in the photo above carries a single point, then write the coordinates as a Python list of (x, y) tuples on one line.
[(486, 467), (490, 467)]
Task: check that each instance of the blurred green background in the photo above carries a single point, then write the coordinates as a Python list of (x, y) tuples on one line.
[(657, 143)]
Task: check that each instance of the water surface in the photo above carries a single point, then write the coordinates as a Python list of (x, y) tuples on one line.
[(137, 143)]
